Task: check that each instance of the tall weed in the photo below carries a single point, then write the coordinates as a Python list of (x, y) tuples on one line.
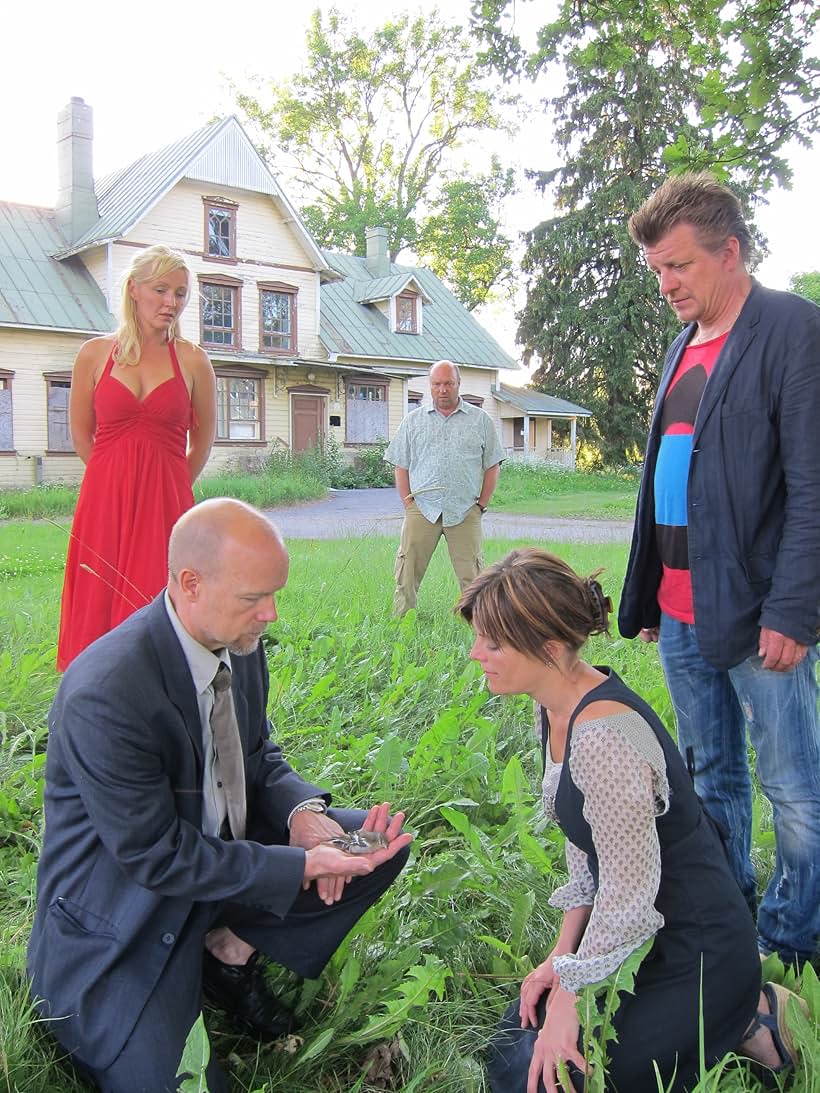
[(373, 708)]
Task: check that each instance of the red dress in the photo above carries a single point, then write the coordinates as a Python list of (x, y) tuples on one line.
[(136, 485)]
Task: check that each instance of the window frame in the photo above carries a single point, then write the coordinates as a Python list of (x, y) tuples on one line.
[(363, 380), (413, 298), (234, 285), (59, 380), (7, 384), (223, 205), (281, 289), (234, 372)]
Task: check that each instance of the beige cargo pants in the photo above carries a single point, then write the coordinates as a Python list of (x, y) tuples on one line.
[(419, 539)]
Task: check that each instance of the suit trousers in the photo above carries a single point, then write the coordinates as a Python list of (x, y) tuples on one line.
[(303, 941), (419, 538)]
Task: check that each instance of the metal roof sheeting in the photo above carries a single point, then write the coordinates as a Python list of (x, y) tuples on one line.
[(537, 404), (449, 330), (35, 289), (382, 288), (126, 195), (220, 153)]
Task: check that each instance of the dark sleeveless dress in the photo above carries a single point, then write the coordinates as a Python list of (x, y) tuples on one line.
[(136, 485), (706, 920)]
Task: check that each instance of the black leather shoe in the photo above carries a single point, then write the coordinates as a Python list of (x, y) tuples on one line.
[(241, 992)]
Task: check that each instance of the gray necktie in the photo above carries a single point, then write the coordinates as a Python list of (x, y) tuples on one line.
[(228, 747)]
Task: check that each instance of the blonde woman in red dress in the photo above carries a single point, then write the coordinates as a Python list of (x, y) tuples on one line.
[(143, 413)]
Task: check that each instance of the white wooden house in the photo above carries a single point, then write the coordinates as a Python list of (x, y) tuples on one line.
[(306, 343)]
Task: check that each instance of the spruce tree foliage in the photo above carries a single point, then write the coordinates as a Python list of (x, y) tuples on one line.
[(369, 132), (649, 88)]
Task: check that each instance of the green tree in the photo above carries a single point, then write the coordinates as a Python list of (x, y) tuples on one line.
[(808, 285), (647, 89), (461, 239), (369, 131)]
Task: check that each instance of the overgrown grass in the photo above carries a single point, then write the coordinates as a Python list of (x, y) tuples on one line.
[(543, 491), (373, 708), (38, 502), (284, 479)]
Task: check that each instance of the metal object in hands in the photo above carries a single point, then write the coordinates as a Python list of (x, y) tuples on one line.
[(359, 842)]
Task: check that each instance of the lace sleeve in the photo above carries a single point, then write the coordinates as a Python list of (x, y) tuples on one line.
[(623, 779)]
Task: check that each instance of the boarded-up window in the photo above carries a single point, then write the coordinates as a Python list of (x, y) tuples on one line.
[(220, 230), (6, 419), (366, 412), (59, 432), (238, 406), (406, 319)]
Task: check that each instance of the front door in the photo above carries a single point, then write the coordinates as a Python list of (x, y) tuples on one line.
[(308, 414)]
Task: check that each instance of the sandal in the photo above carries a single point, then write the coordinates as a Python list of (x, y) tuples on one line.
[(778, 996)]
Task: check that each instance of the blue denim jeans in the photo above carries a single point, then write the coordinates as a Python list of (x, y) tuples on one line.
[(714, 709)]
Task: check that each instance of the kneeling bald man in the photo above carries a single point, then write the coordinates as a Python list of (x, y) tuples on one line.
[(179, 843)]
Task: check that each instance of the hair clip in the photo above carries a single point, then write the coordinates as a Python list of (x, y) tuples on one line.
[(601, 604)]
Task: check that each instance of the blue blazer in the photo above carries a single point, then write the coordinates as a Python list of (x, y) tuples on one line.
[(753, 498), (124, 865)]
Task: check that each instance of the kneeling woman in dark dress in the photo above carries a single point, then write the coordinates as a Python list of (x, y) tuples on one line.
[(644, 859)]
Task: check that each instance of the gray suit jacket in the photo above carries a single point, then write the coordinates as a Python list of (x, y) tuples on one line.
[(124, 864)]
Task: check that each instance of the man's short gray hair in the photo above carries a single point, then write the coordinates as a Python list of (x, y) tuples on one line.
[(452, 365)]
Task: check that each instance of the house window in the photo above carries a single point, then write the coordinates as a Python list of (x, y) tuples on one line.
[(406, 317), (220, 313), (518, 434), (6, 420), (220, 230), (474, 400), (414, 399), (367, 392), (239, 403), (277, 318), (367, 411), (58, 388)]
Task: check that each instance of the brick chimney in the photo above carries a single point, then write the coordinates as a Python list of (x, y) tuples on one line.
[(76, 201), (377, 260)]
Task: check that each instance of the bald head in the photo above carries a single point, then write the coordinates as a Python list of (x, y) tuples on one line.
[(445, 370), (445, 379), (226, 563), (201, 535)]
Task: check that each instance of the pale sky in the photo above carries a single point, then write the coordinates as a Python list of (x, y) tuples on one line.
[(153, 73)]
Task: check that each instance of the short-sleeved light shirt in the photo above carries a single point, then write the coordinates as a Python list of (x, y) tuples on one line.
[(446, 456)]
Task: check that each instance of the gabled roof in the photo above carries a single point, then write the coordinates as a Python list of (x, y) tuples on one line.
[(351, 328), (35, 289), (537, 404), (221, 153), (382, 288)]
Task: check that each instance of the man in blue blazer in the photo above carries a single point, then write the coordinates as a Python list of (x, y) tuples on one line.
[(725, 564), (141, 883)]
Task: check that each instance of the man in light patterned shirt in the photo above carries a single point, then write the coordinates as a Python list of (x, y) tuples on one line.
[(446, 459)]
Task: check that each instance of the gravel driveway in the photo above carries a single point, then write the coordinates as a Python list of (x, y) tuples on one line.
[(355, 513)]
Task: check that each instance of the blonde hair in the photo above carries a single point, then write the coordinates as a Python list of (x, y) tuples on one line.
[(149, 265), (531, 597)]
